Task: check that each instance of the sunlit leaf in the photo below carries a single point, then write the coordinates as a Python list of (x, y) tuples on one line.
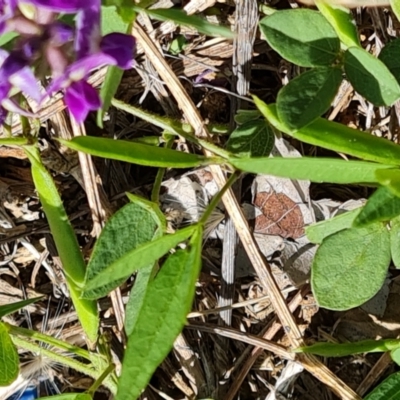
[(341, 20), (162, 316), (128, 228), (395, 241), (316, 233), (390, 179), (336, 137), (303, 37), (9, 361), (395, 355), (314, 169), (383, 205), (66, 242), (136, 153), (370, 77), (140, 257), (350, 266)]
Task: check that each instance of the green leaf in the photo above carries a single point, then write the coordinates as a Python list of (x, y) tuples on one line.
[(252, 139), (137, 297), (13, 141), (11, 308), (136, 153), (395, 4), (314, 169), (178, 45), (144, 276), (128, 228), (390, 179), (336, 137), (395, 241), (342, 22), (163, 314), (303, 37), (181, 18), (7, 37), (308, 96), (389, 389), (108, 89), (395, 355), (316, 233), (346, 349), (350, 267), (152, 208), (389, 56), (383, 205), (243, 116), (9, 361), (124, 8), (370, 77), (140, 257), (111, 21), (66, 242)]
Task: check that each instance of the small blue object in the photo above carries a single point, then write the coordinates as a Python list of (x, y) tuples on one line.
[(30, 393)]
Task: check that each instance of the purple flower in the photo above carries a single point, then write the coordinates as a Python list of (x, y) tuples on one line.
[(80, 96), (15, 73), (70, 53)]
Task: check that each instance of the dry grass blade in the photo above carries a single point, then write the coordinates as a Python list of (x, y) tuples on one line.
[(263, 270), (244, 337)]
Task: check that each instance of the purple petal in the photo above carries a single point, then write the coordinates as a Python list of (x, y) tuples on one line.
[(5, 88), (12, 64), (81, 98), (66, 6), (12, 106), (88, 33), (81, 68), (60, 33), (121, 47), (57, 84), (25, 81)]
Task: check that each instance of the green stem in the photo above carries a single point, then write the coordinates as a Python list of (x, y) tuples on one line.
[(64, 360), (172, 126), (155, 193), (100, 379), (217, 198), (50, 340)]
